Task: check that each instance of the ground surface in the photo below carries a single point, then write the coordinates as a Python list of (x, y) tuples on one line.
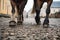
[(29, 30)]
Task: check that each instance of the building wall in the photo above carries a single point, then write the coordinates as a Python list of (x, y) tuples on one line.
[(5, 7), (0, 5), (53, 10)]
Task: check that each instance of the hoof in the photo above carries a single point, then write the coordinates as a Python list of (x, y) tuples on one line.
[(37, 19), (45, 25), (12, 23), (19, 23), (38, 23)]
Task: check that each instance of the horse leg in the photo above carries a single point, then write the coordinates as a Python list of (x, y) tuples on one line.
[(12, 22), (38, 5), (46, 21), (20, 14)]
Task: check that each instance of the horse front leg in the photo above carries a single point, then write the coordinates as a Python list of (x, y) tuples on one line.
[(20, 12), (38, 5), (46, 21), (37, 18), (20, 19), (12, 22)]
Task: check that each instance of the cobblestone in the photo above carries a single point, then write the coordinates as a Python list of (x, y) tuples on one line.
[(29, 32)]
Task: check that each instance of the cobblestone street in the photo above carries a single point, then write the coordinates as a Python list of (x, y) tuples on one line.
[(29, 30)]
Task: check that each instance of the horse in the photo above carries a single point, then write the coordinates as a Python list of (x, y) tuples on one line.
[(37, 8), (20, 4)]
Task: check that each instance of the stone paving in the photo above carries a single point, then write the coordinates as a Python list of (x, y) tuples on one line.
[(29, 32), (34, 32)]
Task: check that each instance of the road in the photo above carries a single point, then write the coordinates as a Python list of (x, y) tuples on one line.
[(29, 30)]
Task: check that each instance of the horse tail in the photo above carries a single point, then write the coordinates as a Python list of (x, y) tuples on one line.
[(33, 9)]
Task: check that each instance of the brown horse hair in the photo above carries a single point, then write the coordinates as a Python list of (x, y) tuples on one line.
[(33, 8)]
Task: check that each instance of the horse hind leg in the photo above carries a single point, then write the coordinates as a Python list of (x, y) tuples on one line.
[(46, 21), (12, 22)]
